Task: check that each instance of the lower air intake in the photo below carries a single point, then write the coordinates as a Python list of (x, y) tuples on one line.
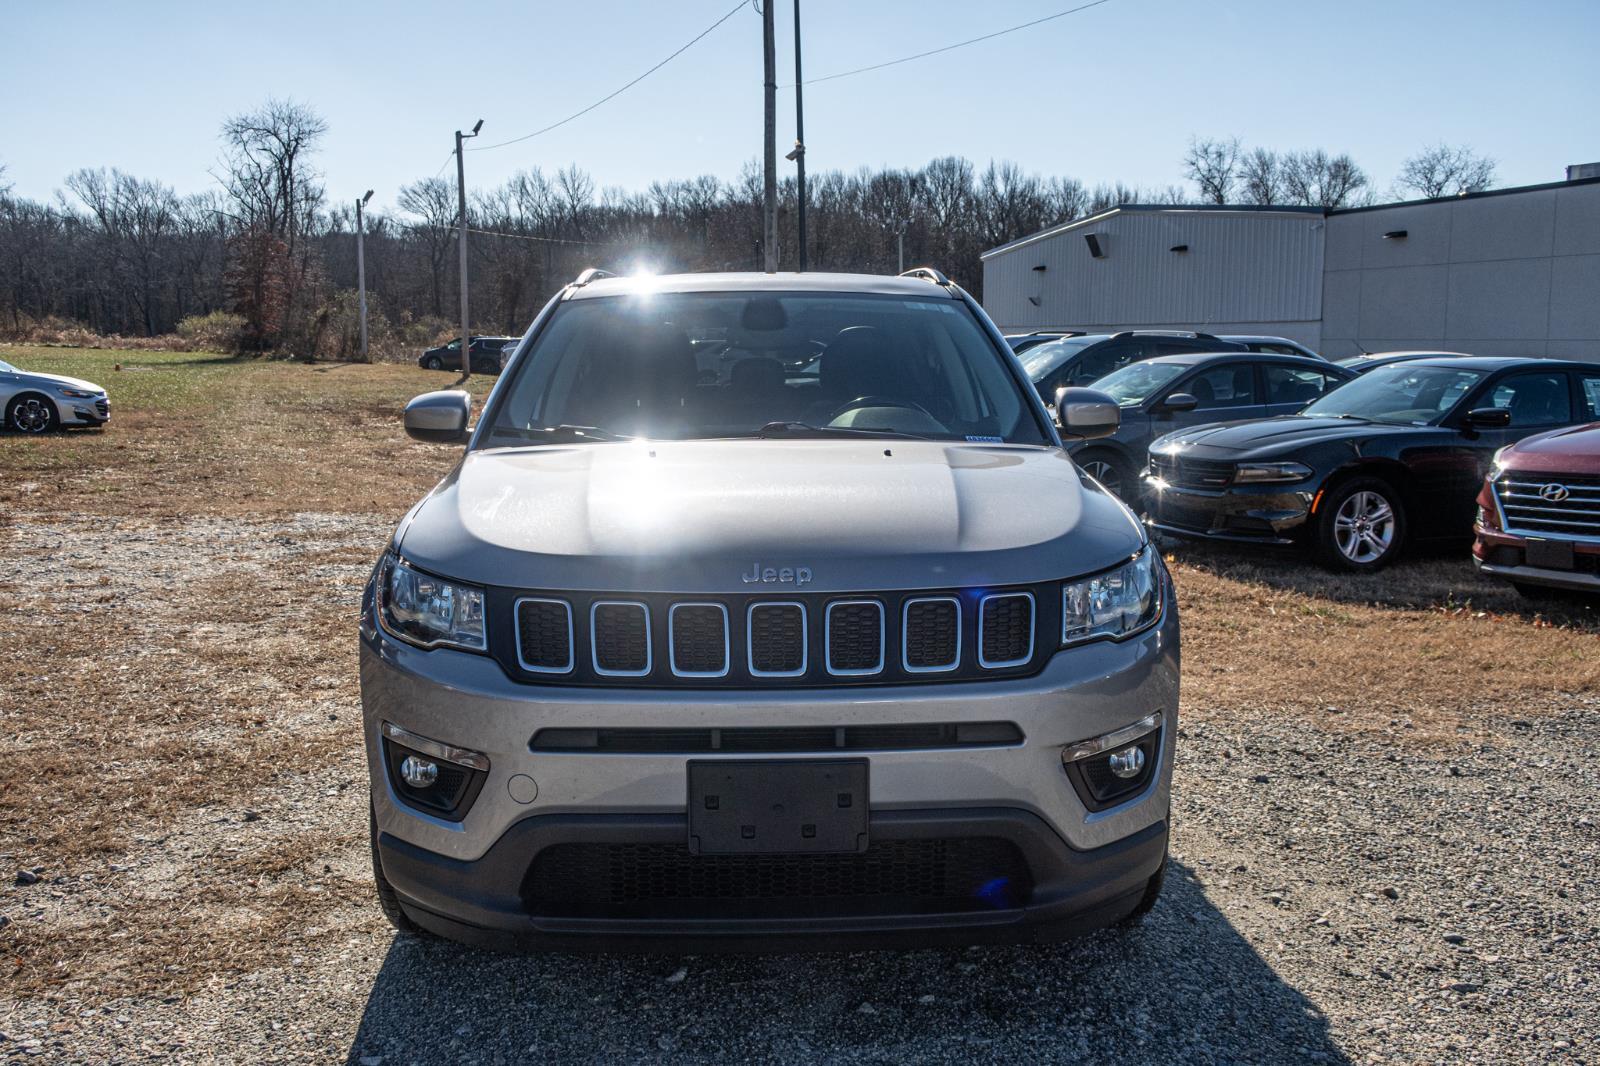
[(666, 881)]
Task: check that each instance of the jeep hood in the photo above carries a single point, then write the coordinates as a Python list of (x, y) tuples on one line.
[(671, 516)]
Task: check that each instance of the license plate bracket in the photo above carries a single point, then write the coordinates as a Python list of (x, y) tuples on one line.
[(777, 806), (1550, 554)]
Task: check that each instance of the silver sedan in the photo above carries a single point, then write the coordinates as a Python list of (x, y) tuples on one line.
[(38, 403)]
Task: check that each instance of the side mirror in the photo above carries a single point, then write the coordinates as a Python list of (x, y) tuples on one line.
[(439, 417), (1083, 414), (1179, 401), (1489, 417)]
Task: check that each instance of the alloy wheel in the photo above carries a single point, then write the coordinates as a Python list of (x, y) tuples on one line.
[(1105, 473), (1364, 527), (31, 415)]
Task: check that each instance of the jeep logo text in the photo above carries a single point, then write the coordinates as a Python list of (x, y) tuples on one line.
[(778, 575)]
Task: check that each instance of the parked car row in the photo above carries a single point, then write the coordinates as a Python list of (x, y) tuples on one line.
[(1259, 440), (484, 354)]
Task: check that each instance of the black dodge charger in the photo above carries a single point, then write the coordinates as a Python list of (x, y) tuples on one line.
[(1397, 454)]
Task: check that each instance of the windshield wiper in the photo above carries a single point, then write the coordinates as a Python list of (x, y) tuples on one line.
[(806, 429), (562, 432)]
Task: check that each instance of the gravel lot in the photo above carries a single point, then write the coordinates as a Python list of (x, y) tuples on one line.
[(1385, 846)]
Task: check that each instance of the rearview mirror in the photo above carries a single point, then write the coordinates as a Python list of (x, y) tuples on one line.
[(1179, 401), (1489, 417), (439, 417), (1084, 414)]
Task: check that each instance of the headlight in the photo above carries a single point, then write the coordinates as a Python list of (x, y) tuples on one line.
[(1496, 467), (1114, 604), (428, 611), (77, 394), (1266, 473)]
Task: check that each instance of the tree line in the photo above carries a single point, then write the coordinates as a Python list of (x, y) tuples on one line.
[(266, 261)]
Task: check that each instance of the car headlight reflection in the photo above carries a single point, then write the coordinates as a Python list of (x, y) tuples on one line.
[(428, 611), (1114, 604)]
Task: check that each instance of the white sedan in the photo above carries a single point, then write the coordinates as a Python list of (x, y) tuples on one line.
[(38, 403)]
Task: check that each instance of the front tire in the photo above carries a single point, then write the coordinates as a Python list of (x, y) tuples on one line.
[(31, 413), (433, 362), (388, 902), (1111, 471), (1361, 526)]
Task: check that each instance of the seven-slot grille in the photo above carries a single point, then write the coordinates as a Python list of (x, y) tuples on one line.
[(1553, 505), (657, 639), (1188, 473)]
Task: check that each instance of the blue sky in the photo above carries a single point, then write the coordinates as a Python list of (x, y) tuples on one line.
[(1111, 93)]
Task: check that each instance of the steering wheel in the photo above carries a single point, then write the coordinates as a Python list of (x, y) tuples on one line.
[(878, 401)]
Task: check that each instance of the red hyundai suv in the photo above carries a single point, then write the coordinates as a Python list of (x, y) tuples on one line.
[(1539, 512)]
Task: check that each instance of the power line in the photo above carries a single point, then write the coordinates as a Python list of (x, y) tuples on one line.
[(951, 47), (542, 240), (579, 114)]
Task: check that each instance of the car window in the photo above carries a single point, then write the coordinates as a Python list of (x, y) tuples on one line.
[(1226, 386), (1294, 384), (1100, 362), (1040, 360), (1535, 399), (1591, 395), (1401, 393), (1137, 382), (627, 366)]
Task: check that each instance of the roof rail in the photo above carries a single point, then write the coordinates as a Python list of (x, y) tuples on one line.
[(592, 274), (928, 273)]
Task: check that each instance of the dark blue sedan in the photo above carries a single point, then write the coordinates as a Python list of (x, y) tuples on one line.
[(1170, 392)]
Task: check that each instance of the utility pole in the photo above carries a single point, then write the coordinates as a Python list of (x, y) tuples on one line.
[(900, 240), (799, 153), (769, 176), (461, 195), (361, 269)]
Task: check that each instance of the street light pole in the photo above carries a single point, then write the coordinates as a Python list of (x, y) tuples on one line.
[(461, 196), (361, 269), (799, 153)]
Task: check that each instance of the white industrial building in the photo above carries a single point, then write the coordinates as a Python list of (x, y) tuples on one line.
[(1505, 272)]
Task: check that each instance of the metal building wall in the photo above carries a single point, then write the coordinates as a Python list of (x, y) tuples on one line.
[(1244, 271), (1516, 273)]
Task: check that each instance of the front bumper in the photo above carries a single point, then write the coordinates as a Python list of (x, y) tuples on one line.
[(466, 878), (1265, 514), (84, 412), (488, 901), (1501, 555)]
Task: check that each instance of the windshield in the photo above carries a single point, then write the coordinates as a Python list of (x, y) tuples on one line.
[(1402, 393), (1045, 358), (687, 366), (1137, 382)]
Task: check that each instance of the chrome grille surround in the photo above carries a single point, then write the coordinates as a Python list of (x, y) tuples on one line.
[(594, 640), (750, 638), (572, 644), (1525, 511), (828, 639), (672, 639), (906, 636), (984, 606)]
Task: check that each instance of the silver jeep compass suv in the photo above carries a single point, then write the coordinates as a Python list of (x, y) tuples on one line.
[(767, 609)]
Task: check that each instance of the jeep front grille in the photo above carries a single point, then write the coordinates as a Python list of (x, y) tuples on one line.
[(803, 640), (1525, 500)]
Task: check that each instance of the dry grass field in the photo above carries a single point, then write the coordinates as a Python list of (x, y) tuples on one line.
[(179, 714)]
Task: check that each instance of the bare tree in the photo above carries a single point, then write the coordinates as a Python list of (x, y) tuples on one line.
[(434, 203), (1213, 166), (266, 167), (1260, 181), (1443, 170), (1317, 179)]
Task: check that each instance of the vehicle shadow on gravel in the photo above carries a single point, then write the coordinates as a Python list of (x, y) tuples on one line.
[(1183, 987)]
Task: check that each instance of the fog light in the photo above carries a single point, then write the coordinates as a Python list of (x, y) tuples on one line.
[(418, 773), (1128, 762)]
